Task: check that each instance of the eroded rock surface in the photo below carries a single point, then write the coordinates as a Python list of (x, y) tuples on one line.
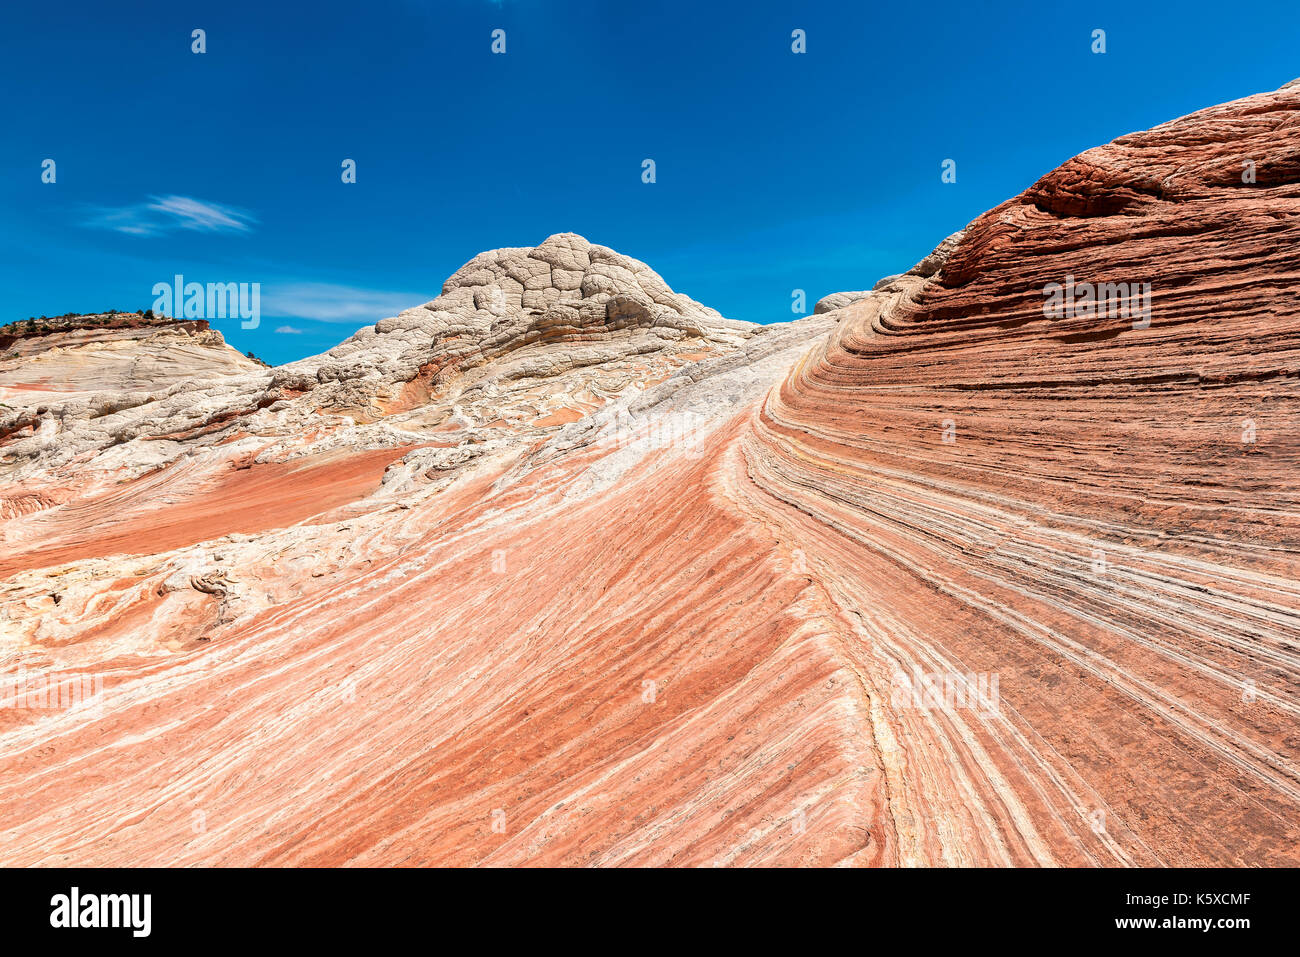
[(564, 568)]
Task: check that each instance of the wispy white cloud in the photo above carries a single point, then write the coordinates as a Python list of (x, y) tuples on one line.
[(163, 214), (288, 330), (192, 213), (331, 302)]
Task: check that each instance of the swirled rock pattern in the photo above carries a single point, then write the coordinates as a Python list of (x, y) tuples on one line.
[(991, 564)]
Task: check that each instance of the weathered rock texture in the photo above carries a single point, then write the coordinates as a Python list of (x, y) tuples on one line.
[(65, 364), (564, 568)]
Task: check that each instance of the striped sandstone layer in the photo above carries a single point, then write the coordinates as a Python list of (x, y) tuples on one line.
[(627, 596), (1102, 511)]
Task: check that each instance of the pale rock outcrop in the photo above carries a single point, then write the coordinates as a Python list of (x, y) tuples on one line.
[(539, 311), (503, 348)]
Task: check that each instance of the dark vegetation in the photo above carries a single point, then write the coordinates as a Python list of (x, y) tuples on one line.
[(70, 321)]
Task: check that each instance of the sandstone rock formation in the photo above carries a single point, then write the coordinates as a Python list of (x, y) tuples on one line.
[(563, 567), (67, 366)]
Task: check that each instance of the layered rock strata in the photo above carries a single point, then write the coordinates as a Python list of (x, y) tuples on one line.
[(563, 568)]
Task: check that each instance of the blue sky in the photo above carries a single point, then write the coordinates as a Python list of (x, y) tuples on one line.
[(775, 171)]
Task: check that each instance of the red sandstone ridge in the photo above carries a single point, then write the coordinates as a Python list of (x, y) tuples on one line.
[(573, 571)]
